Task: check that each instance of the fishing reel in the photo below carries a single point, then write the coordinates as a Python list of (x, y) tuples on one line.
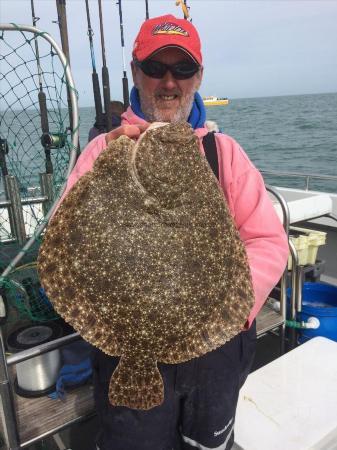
[(3, 146), (3, 152), (53, 140)]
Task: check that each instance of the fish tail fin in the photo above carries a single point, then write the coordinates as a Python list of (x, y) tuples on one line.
[(136, 385)]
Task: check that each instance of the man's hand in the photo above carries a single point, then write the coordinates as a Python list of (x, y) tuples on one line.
[(131, 131)]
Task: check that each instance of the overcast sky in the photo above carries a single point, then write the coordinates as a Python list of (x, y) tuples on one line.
[(251, 48)]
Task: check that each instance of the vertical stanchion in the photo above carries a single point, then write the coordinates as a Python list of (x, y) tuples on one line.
[(7, 399), (62, 22)]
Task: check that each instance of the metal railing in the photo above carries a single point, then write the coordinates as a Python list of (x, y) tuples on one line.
[(283, 285), (307, 177)]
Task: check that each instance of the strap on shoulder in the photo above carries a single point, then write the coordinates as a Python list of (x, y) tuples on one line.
[(211, 153)]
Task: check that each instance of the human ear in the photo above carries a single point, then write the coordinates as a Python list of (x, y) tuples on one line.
[(134, 73), (199, 76)]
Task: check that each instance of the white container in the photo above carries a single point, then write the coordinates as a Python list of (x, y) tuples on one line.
[(301, 244), (40, 373), (36, 376), (306, 243)]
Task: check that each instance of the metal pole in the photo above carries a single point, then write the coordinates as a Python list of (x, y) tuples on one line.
[(105, 75), (62, 21), (299, 284), (7, 399), (4, 171), (124, 79), (294, 292), (46, 183), (13, 193), (283, 294), (41, 349)]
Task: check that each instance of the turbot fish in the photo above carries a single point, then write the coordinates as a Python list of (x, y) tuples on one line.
[(143, 259)]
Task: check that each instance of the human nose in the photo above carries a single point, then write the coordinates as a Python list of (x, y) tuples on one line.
[(168, 81)]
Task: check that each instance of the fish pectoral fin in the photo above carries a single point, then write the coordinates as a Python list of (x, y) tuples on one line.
[(136, 384)]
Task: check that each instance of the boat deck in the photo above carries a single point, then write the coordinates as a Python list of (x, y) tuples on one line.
[(267, 319), (34, 421), (42, 416)]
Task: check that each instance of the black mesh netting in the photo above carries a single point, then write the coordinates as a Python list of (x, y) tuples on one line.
[(35, 147)]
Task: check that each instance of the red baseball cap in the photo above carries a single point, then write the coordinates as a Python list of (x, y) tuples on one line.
[(167, 31)]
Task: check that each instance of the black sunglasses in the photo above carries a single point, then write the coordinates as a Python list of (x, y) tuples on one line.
[(180, 71)]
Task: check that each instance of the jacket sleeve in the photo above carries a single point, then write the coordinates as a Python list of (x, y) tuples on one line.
[(262, 233), (84, 164)]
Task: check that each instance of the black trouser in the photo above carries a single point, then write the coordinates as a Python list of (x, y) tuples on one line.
[(199, 407)]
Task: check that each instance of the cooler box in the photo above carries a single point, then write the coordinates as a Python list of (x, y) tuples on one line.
[(291, 403)]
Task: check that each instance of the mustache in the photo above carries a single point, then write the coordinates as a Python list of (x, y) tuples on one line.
[(168, 92)]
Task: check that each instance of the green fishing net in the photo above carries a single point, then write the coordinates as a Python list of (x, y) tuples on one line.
[(36, 144)]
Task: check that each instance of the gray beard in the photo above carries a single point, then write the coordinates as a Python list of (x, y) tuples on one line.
[(154, 114)]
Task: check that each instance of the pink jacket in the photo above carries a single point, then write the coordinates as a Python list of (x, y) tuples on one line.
[(253, 212)]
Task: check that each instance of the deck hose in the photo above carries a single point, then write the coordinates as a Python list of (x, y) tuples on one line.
[(312, 323)]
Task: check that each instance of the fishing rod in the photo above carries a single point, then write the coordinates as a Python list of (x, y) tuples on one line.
[(186, 10), (105, 75), (184, 7), (147, 9), (95, 80), (42, 97), (125, 78)]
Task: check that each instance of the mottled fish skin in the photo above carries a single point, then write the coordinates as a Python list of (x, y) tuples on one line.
[(143, 259)]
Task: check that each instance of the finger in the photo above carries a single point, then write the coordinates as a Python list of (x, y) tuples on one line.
[(143, 127), (134, 131), (131, 131), (123, 130)]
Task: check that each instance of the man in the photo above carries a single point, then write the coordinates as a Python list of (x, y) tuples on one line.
[(200, 395)]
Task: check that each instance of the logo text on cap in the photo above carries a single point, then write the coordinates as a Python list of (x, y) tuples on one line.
[(169, 28)]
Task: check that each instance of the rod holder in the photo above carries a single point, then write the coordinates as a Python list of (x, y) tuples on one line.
[(15, 212), (46, 183), (4, 146), (3, 153)]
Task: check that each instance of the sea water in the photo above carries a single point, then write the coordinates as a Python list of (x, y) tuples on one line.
[(295, 133)]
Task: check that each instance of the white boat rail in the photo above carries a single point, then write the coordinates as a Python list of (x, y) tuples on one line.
[(306, 176)]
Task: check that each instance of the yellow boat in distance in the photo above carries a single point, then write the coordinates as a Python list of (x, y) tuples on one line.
[(215, 101)]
